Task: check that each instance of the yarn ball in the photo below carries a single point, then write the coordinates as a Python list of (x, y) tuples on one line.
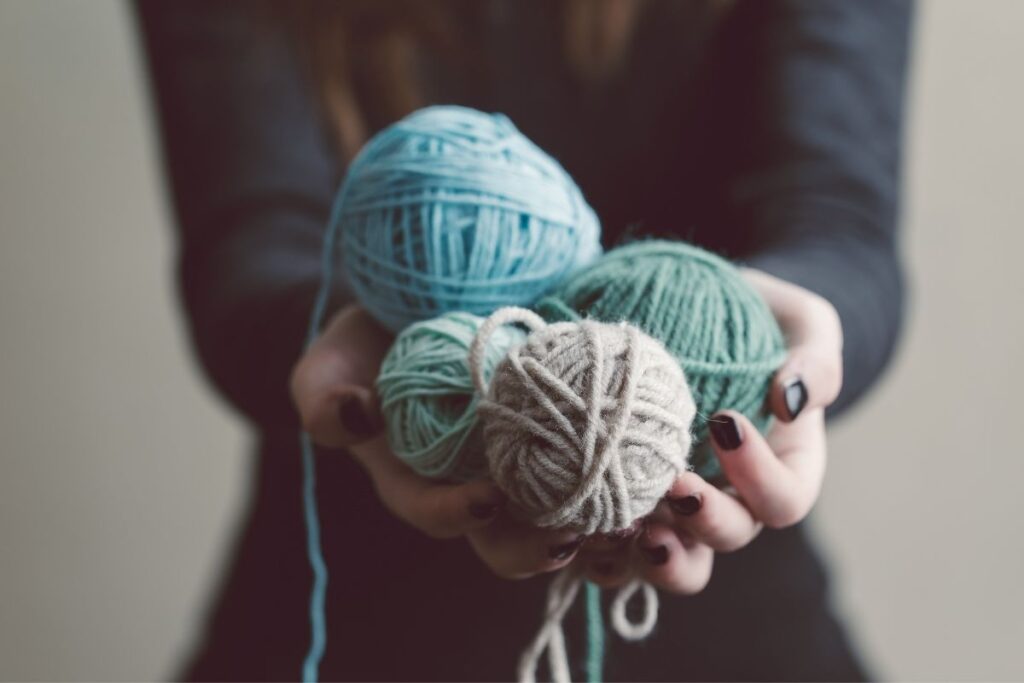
[(586, 425), (451, 209), (709, 318), (427, 395)]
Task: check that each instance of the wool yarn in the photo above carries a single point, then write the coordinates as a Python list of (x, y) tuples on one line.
[(550, 637), (586, 424), (427, 395), (699, 306), (451, 209)]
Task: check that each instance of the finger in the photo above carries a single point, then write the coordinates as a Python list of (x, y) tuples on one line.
[(812, 374), (439, 510), (710, 515), (672, 562), (343, 416), (449, 511), (778, 490), (606, 558), (811, 377), (515, 550)]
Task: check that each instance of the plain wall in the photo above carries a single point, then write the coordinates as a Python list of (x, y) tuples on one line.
[(121, 475)]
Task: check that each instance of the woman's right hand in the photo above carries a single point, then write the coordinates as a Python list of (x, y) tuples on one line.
[(333, 390)]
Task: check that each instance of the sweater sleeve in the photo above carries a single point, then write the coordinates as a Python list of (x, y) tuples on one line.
[(813, 181), (252, 178)]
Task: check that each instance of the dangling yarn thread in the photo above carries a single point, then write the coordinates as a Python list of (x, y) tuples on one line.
[(451, 209), (699, 306), (586, 425), (428, 399)]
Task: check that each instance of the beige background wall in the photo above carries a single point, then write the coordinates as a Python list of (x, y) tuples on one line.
[(120, 474)]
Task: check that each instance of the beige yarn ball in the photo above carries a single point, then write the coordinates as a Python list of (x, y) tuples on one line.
[(586, 425)]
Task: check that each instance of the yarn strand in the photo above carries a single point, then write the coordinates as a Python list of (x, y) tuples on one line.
[(550, 637), (318, 592), (638, 630), (317, 620), (595, 635)]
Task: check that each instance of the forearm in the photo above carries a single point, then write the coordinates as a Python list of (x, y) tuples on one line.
[(252, 177), (248, 302), (813, 183)]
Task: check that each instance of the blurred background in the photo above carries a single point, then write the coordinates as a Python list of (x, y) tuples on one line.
[(122, 475)]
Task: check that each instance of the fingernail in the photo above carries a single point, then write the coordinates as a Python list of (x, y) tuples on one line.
[(616, 538), (795, 394), (725, 432), (687, 505), (657, 555), (483, 510), (604, 568), (562, 552), (353, 417)]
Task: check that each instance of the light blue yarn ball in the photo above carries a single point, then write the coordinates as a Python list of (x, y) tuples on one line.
[(451, 209)]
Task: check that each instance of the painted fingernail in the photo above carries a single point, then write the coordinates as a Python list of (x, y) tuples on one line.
[(604, 568), (725, 432), (564, 551), (795, 393), (657, 555), (687, 505), (615, 538), (483, 510), (353, 417)]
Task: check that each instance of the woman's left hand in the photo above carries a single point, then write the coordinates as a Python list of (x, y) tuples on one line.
[(773, 481)]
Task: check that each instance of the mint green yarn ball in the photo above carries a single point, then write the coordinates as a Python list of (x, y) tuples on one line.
[(699, 306), (428, 399)]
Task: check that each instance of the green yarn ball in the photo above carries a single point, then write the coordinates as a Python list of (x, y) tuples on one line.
[(427, 395), (697, 304)]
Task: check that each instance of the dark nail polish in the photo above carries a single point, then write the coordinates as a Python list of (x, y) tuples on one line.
[(687, 505), (795, 394), (483, 510), (564, 551), (657, 555), (353, 417), (725, 432), (604, 568)]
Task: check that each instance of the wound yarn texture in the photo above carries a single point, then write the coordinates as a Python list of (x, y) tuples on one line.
[(451, 209), (586, 424), (428, 398), (699, 306)]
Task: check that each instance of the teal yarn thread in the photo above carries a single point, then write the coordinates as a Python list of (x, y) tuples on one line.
[(700, 307), (451, 209), (595, 635), (428, 398)]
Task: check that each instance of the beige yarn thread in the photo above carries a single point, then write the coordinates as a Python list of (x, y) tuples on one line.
[(586, 425), (624, 465)]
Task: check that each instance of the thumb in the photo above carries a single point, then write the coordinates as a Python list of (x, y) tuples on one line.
[(332, 384)]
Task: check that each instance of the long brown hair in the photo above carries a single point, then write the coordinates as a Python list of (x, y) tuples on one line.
[(352, 46)]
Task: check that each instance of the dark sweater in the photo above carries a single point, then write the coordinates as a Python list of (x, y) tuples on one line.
[(777, 143)]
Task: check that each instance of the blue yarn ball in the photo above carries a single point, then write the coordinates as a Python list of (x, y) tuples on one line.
[(451, 209)]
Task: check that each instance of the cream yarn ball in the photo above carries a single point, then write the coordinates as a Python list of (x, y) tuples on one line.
[(586, 424)]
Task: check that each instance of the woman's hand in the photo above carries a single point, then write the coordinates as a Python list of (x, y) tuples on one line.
[(774, 481), (332, 388)]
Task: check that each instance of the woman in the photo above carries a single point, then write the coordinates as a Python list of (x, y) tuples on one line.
[(768, 131)]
